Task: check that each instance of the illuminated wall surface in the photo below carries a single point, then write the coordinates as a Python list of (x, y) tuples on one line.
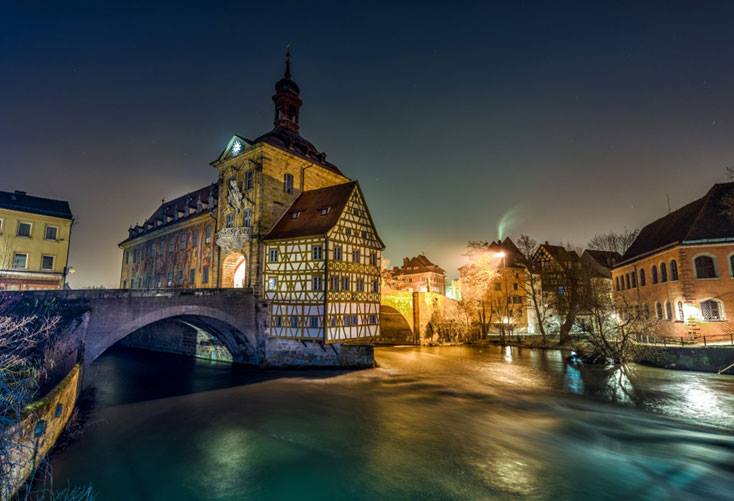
[(686, 305), (33, 250)]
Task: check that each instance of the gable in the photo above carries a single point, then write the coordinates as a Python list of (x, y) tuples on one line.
[(355, 223), (235, 147)]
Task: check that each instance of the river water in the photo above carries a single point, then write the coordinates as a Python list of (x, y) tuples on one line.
[(428, 423)]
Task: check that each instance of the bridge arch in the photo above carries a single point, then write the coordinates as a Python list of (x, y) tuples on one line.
[(240, 340)]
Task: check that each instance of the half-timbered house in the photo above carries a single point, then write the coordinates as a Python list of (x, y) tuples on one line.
[(322, 268)]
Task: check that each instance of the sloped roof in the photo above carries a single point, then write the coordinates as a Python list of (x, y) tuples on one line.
[(513, 256), (707, 218), (293, 142), (20, 201), (177, 206), (560, 253), (308, 205), (605, 258), (418, 264)]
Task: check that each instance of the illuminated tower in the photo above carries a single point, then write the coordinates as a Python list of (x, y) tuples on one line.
[(287, 102)]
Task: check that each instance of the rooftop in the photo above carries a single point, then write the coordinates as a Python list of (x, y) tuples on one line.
[(177, 210), (710, 218), (313, 213), (22, 202)]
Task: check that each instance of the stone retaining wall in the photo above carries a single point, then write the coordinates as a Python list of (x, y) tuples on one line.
[(711, 359), (289, 353), (39, 429)]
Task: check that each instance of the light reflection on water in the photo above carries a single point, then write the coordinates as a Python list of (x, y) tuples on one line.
[(434, 423)]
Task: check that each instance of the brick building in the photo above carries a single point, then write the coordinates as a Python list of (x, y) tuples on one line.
[(680, 269)]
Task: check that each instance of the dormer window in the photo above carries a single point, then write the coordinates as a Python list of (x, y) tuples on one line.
[(324, 210)]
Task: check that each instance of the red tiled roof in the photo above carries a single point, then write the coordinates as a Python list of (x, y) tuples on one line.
[(308, 205), (417, 264)]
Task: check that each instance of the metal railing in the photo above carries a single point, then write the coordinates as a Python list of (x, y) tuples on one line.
[(697, 341)]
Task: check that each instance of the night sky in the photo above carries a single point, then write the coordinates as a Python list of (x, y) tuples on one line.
[(459, 119)]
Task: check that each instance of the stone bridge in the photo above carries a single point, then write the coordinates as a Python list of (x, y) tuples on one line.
[(237, 318)]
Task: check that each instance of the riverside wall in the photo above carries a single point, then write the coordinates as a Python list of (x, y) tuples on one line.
[(39, 429), (709, 359)]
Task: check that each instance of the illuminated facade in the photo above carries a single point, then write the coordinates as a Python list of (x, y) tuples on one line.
[(418, 274), (260, 182), (35, 234), (504, 295), (323, 267), (680, 269), (175, 246)]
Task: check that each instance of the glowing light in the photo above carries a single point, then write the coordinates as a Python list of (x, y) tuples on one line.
[(690, 311), (500, 254), (236, 147)]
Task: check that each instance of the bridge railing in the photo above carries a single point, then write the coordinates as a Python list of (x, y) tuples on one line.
[(135, 293)]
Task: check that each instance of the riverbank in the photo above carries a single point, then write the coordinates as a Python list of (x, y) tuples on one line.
[(716, 359), (41, 426)]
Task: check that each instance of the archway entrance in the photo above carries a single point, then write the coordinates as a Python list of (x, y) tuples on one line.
[(234, 271)]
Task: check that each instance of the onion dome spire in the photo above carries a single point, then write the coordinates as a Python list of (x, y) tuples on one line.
[(286, 100)]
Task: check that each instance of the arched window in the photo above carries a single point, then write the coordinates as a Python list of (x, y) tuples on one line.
[(616, 282), (663, 272), (642, 278), (659, 310), (673, 270), (633, 275), (731, 264), (705, 267), (711, 310), (654, 274), (681, 315), (668, 311), (627, 280)]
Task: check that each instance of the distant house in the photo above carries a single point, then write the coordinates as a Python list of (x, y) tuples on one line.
[(555, 264), (601, 261), (419, 274), (680, 268), (506, 297), (34, 241)]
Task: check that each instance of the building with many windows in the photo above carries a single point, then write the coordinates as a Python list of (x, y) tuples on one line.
[(175, 246), (418, 274), (35, 233), (222, 235), (323, 267), (680, 269)]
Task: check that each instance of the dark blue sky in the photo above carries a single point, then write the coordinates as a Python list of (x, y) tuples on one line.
[(562, 119)]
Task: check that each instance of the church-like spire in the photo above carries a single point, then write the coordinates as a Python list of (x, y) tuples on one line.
[(288, 62), (287, 102)]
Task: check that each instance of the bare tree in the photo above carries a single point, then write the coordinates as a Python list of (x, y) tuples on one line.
[(476, 280), (532, 285), (23, 335), (613, 241)]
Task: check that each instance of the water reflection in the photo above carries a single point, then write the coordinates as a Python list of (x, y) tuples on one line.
[(435, 423)]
